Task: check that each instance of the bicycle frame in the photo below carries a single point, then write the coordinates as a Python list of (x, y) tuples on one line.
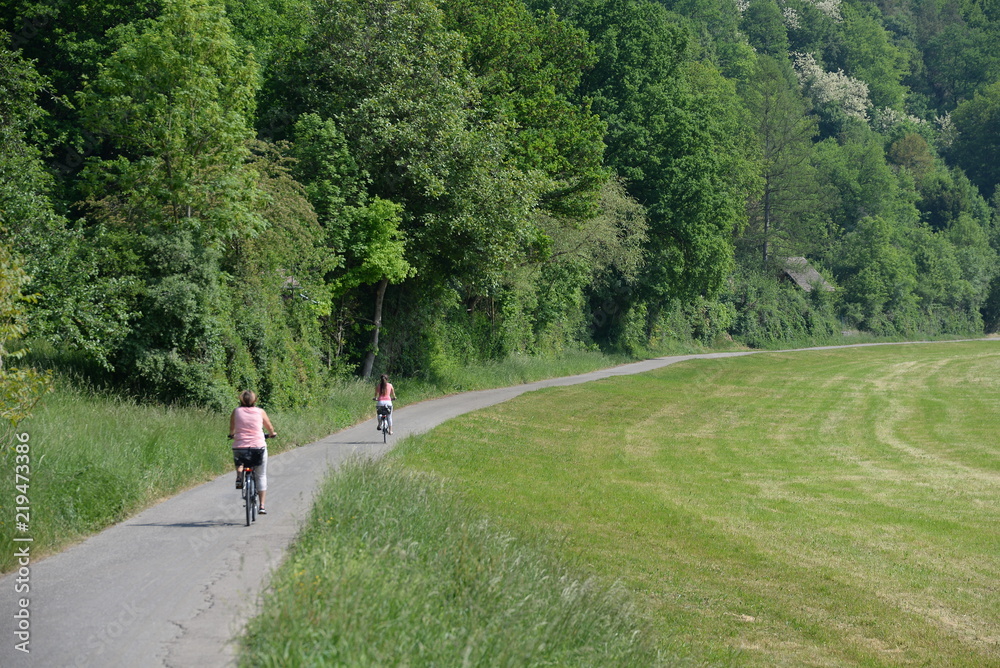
[(249, 460)]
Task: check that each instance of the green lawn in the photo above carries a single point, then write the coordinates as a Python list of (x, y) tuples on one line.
[(821, 508)]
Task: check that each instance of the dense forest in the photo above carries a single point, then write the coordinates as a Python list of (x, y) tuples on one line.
[(199, 195)]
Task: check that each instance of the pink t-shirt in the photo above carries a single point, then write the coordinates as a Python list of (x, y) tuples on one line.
[(248, 429), (387, 395)]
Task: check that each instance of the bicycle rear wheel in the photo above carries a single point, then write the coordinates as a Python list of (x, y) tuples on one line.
[(254, 503), (250, 495)]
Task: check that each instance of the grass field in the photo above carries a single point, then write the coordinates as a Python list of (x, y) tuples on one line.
[(819, 508)]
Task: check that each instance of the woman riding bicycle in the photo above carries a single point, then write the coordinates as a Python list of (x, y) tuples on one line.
[(246, 428), (384, 394)]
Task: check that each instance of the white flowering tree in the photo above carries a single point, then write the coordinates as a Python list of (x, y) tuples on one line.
[(848, 94)]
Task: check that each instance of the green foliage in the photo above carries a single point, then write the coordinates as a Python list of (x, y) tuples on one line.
[(527, 70), (331, 176), (175, 100), (376, 246), (275, 28), (20, 389), (20, 160), (912, 152), (715, 24), (764, 25), (870, 55), (81, 302), (878, 278), (677, 135), (276, 293), (860, 183), (786, 215), (771, 313), (959, 58), (529, 176), (977, 145), (22, 197)]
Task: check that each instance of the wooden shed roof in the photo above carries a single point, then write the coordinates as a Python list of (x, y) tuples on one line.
[(804, 275)]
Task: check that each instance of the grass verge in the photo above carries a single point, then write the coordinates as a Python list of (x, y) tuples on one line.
[(391, 570), (833, 507)]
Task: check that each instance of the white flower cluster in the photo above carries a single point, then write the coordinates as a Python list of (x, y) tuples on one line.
[(946, 130), (791, 17), (887, 117), (829, 7), (850, 93)]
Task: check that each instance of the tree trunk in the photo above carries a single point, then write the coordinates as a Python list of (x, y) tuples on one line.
[(366, 371), (767, 220)]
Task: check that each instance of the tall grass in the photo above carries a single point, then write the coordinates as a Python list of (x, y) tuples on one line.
[(393, 570)]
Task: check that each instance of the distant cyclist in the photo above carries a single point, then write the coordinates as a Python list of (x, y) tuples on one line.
[(384, 394), (246, 428)]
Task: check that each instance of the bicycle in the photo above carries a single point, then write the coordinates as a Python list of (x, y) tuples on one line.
[(383, 421), (249, 459)]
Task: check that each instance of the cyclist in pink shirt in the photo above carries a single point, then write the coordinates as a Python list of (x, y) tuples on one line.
[(384, 394), (246, 428)]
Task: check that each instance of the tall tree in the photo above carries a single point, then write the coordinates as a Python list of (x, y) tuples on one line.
[(527, 70), (80, 304), (977, 147), (678, 134), (391, 76), (377, 248), (870, 55), (786, 212), (175, 104)]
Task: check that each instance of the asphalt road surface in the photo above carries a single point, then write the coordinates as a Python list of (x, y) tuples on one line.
[(175, 584)]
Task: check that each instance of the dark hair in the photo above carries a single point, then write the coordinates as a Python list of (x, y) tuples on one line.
[(382, 383), (247, 398)]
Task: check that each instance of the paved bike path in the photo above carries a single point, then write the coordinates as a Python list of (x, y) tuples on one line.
[(175, 584)]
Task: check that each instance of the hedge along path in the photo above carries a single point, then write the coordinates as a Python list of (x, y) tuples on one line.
[(175, 584)]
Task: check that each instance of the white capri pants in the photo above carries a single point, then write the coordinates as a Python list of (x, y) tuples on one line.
[(259, 472), (388, 418)]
